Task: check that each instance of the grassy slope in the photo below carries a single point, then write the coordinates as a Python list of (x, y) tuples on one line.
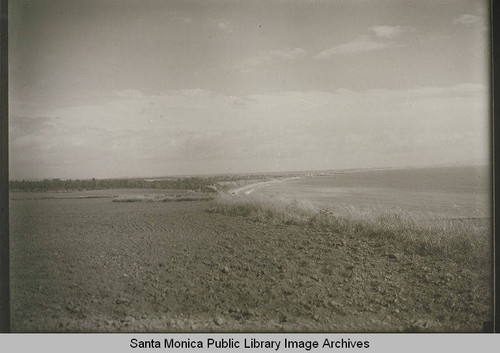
[(442, 265), (466, 241)]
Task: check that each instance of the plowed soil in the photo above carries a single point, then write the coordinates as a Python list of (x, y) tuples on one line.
[(91, 265)]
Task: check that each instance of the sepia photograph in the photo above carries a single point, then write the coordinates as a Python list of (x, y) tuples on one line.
[(250, 166)]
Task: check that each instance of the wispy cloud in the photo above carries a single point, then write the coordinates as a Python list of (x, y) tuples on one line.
[(471, 21), (383, 37), (225, 26), (185, 19), (358, 45), (467, 20), (180, 17), (271, 56), (390, 31), (21, 126)]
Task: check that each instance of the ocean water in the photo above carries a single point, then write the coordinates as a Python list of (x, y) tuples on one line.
[(439, 192)]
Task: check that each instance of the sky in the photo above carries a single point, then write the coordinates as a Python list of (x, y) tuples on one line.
[(124, 88)]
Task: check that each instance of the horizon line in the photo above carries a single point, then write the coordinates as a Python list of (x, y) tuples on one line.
[(206, 175)]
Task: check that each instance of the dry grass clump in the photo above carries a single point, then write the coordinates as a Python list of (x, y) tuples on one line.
[(261, 208), (466, 240)]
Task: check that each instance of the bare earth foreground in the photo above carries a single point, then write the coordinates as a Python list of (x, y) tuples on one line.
[(93, 265)]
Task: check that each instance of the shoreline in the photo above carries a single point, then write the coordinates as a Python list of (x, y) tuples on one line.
[(248, 189)]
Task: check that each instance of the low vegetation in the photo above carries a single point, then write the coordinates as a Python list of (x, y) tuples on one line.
[(465, 240), (163, 198), (208, 184)]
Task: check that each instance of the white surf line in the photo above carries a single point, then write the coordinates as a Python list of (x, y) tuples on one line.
[(248, 189), (253, 189)]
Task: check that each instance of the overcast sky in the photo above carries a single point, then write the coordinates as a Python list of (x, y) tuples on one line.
[(149, 88)]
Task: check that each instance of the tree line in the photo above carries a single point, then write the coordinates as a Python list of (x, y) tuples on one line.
[(201, 184)]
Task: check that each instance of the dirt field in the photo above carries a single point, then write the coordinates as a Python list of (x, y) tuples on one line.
[(94, 265)]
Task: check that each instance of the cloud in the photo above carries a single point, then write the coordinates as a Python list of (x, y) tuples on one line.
[(128, 93), (194, 91), (383, 37), (358, 45), (23, 126), (468, 20), (196, 131), (175, 15), (222, 25), (185, 19), (472, 21), (225, 26), (275, 55), (389, 31)]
